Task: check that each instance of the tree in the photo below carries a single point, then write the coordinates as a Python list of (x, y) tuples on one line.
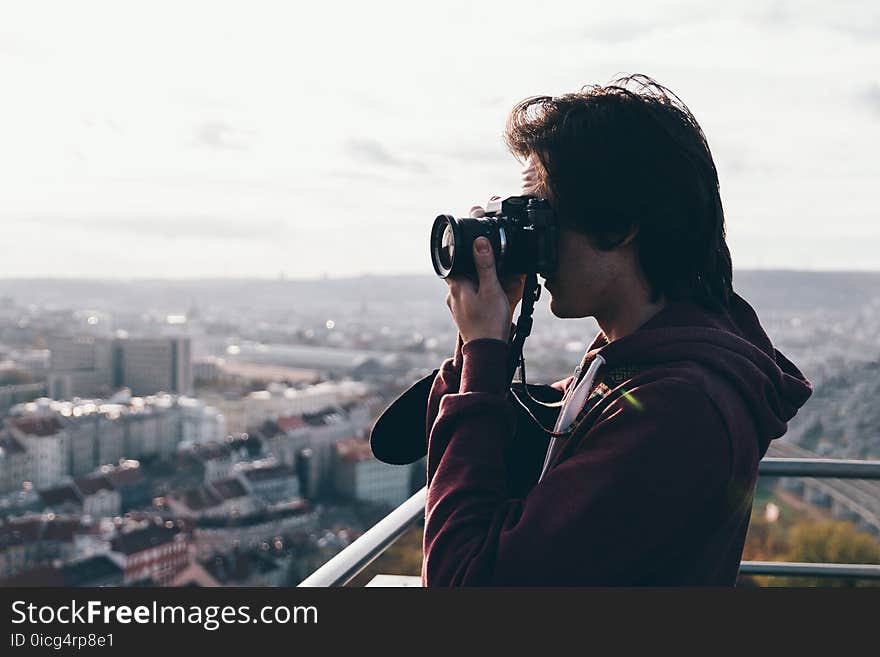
[(830, 542)]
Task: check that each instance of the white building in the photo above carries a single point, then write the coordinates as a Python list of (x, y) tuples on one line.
[(99, 498), (200, 423), (15, 463), (224, 498), (217, 458), (47, 444), (270, 481), (279, 400), (358, 474)]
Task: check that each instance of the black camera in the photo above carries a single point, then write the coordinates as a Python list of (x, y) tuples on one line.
[(521, 229)]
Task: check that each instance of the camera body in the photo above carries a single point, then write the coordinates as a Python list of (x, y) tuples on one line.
[(521, 229)]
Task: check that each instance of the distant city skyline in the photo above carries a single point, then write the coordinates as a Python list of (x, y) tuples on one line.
[(253, 140)]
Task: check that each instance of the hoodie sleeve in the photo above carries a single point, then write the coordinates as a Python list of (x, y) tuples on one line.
[(448, 380), (653, 459)]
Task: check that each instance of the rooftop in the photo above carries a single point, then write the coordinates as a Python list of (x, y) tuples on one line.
[(87, 571), (229, 489), (92, 485), (58, 495), (38, 528), (291, 422), (34, 425), (354, 450), (203, 497), (144, 538), (238, 566), (268, 473)]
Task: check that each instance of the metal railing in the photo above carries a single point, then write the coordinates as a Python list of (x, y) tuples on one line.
[(346, 565)]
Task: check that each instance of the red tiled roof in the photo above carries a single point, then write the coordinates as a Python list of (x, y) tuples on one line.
[(229, 489), (91, 485), (200, 498), (125, 476), (34, 425), (59, 495), (354, 450), (144, 539), (290, 422)]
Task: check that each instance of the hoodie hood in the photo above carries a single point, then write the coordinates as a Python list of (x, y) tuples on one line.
[(730, 344)]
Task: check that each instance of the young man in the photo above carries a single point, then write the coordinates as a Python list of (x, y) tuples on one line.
[(672, 406)]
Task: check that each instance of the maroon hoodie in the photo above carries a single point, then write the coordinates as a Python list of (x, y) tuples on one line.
[(655, 485)]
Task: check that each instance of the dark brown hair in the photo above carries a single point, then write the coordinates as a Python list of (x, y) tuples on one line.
[(630, 155)]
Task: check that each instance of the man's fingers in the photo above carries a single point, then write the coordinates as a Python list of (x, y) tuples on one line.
[(477, 212)]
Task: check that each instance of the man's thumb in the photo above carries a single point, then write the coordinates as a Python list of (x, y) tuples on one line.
[(484, 259)]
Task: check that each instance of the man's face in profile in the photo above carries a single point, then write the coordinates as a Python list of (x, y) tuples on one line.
[(582, 282)]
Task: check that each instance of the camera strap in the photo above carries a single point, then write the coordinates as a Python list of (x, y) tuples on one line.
[(531, 293)]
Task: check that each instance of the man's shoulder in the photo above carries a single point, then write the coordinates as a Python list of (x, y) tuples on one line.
[(662, 398)]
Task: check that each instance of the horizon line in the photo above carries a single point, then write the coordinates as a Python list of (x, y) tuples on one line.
[(328, 277)]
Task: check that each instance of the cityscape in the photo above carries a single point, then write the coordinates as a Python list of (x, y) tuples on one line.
[(215, 432)]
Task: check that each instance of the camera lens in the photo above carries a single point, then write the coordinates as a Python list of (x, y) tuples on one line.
[(443, 238), (447, 247)]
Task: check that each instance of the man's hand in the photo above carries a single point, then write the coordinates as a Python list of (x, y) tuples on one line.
[(513, 284), (481, 311)]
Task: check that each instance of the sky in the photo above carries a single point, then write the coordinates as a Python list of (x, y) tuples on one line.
[(257, 139)]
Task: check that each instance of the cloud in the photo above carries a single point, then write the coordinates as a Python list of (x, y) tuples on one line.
[(370, 151), (870, 98), (622, 31), (204, 227), (222, 136), (14, 45)]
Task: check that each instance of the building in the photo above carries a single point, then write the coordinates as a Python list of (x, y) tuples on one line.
[(360, 475), (15, 462), (279, 400), (152, 553), (326, 428), (200, 423), (154, 364), (217, 459), (110, 446), (47, 443), (99, 498), (88, 366), (224, 498), (285, 437), (135, 490), (154, 426), (233, 408), (93, 572), (93, 496), (83, 431), (252, 567), (213, 535), (80, 367), (65, 498), (271, 481), (37, 540), (20, 392)]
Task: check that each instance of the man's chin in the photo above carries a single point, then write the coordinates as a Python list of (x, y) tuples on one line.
[(557, 308)]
